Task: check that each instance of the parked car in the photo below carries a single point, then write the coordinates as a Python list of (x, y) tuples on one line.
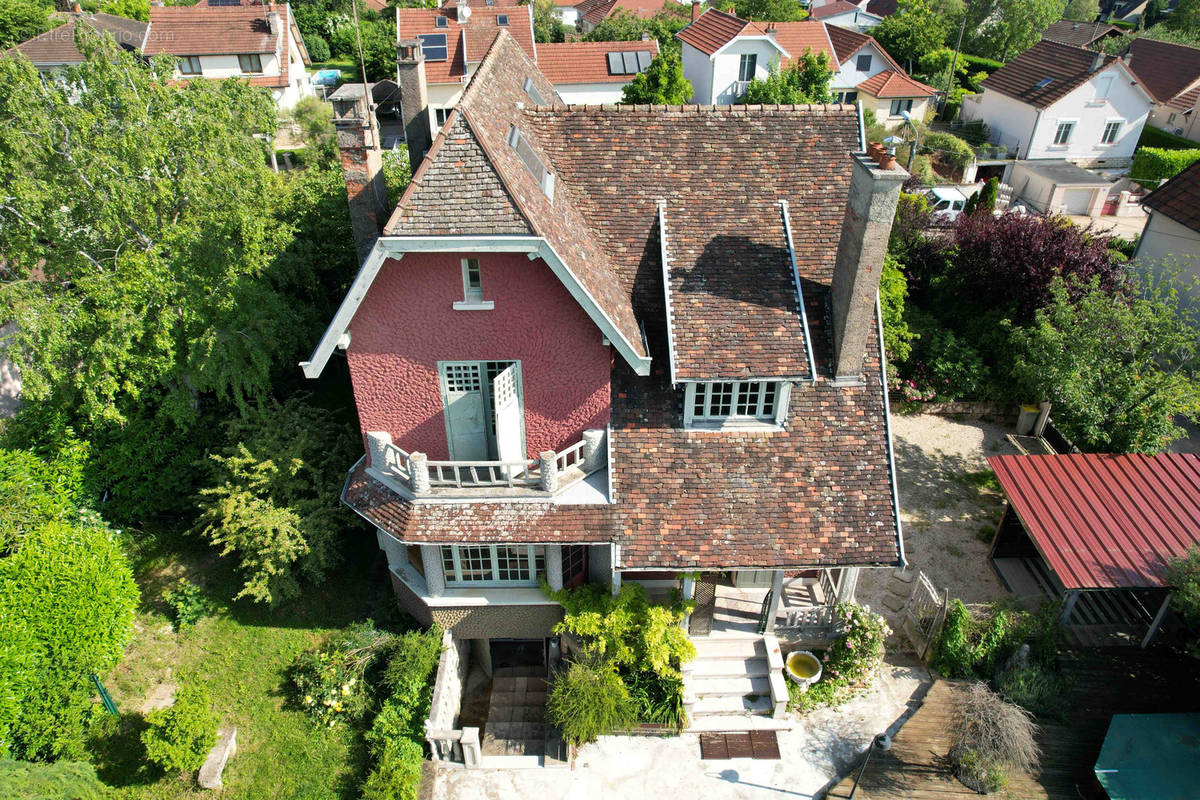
[(947, 202)]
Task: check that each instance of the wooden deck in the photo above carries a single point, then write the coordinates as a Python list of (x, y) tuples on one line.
[(1104, 682)]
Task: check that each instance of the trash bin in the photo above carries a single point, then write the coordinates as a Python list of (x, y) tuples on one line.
[(1027, 419)]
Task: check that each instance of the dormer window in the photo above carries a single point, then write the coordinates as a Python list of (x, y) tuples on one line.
[(441, 22), (735, 404), (502, 19), (472, 279)]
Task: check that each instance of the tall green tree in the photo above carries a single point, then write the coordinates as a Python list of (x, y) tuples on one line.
[(625, 26), (547, 26), (136, 222), (1002, 29), (917, 29), (1082, 10), (767, 10), (806, 80), (662, 83), (1186, 17), (1118, 367), (21, 20)]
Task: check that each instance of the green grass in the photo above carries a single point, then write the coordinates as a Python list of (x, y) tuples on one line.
[(351, 71), (241, 655)]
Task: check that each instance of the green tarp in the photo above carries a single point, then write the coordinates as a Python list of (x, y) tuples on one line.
[(1151, 757)]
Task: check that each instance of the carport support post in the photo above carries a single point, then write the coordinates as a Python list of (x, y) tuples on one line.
[(1158, 618), (1068, 607)]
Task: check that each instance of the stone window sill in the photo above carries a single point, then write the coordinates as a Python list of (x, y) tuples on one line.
[(474, 305)]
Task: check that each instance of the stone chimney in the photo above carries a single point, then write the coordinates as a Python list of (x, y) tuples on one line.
[(874, 190), (273, 22), (414, 98), (362, 164), (697, 10)]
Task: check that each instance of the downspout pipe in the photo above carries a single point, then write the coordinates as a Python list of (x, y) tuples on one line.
[(887, 429)]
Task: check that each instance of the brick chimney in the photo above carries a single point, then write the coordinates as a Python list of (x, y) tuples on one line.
[(697, 10), (414, 98), (874, 191), (362, 164)]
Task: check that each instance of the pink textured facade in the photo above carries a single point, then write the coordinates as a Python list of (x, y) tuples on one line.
[(407, 324)]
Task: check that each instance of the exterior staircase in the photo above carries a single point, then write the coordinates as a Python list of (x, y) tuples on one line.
[(729, 683)]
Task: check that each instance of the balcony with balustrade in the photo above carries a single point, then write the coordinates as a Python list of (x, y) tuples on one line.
[(578, 474)]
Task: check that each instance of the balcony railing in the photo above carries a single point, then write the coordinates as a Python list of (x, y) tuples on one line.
[(550, 471)]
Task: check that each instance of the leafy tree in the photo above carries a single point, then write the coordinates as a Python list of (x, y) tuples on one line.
[(893, 290), (625, 26), (67, 599), (1115, 45), (805, 80), (983, 201), (661, 84), (62, 780), (21, 20), (1001, 29), (1082, 10), (130, 9), (913, 32), (767, 10), (273, 501), (147, 210), (1116, 366), (180, 736), (1186, 17), (1183, 574), (313, 119), (547, 26), (1156, 11), (318, 48)]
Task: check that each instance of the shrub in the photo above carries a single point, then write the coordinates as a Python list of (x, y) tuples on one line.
[(318, 48), (893, 290), (658, 700), (179, 737), (397, 772), (949, 148), (588, 699), (1036, 689), (188, 603), (973, 644), (1157, 137), (975, 133), (1153, 166), (849, 663), (329, 682), (62, 780), (991, 737), (1184, 574)]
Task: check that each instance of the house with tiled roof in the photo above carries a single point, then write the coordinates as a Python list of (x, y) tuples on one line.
[(1171, 74), (1058, 101), (1080, 34), (723, 53), (621, 344), (56, 48), (1171, 238), (845, 14), (590, 13), (219, 39)]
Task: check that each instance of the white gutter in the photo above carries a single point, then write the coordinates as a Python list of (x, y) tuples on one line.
[(787, 229), (887, 429)]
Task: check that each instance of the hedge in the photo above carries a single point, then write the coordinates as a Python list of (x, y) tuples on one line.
[(1157, 137), (979, 63), (1152, 166)]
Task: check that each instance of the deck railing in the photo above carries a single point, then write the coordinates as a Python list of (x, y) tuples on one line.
[(417, 474)]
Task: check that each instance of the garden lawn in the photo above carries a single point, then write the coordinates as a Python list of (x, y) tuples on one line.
[(241, 655)]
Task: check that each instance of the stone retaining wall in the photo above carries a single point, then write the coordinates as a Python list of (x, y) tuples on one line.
[(975, 409)]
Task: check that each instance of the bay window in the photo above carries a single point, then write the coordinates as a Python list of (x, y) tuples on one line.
[(493, 564)]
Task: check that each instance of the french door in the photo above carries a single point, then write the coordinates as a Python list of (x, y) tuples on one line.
[(484, 410)]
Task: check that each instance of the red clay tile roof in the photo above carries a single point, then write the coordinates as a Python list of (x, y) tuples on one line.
[(1187, 99), (203, 30), (1067, 67), (596, 11), (1165, 69), (586, 62), (57, 46), (847, 42), (714, 29), (1079, 34), (816, 493), (468, 43), (882, 8), (833, 9), (1106, 521), (796, 37), (1179, 198), (887, 85)]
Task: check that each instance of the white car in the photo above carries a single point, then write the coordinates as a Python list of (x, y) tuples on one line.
[(947, 203)]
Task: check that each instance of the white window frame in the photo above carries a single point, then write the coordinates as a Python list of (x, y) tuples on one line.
[(440, 115), (189, 60), (900, 104), (750, 59), (1072, 123), (473, 295), (1120, 123), (772, 418), (1171, 118), (452, 571), (253, 59)]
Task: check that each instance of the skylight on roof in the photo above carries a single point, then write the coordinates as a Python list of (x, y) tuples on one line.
[(628, 62), (433, 45), (1043, 83), (531, 161), (442, 22), (533, 93), (502, 19)]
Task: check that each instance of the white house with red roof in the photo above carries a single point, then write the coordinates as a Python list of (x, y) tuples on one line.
[(845, 14), (723, 53), (234, 38)]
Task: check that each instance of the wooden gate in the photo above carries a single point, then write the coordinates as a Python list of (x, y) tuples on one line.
[(700, 623), (923, 613)]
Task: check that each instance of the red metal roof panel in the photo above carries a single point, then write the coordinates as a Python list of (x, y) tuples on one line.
[(1106, 521)]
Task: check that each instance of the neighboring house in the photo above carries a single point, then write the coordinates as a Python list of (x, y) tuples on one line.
[(621, 344), (722, 54), (1171, 74), (216, 39), (1171, 237), (1055, 101), (1080, 34), (56, 48), (845, 14), (592, 12), (454, 40)]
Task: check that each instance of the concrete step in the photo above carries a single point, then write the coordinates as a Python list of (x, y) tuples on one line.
[(736, 667), (711, 706), (729, 647), (711, 723), (729, 687)]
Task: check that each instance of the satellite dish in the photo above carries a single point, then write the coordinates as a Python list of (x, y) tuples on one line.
[(464, 12)]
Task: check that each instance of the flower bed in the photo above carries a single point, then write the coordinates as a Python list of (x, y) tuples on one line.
[(848, 665)]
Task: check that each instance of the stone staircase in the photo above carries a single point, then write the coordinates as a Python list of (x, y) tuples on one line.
[(730, 676)]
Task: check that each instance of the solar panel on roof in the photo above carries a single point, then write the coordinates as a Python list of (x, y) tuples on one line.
[(616, 66), (1043, 83), (433, 45), (631, 65), (224, 2), (644, 58)]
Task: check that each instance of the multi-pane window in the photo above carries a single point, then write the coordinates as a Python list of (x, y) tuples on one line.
[(493, 564), (747, 66), (1111, 131), (724, 400), (189, 65), (472, 281), (502, 19), (863, 63), (1063, 134), (441, 115), (845, 97), (902, 104), (250, 63)]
